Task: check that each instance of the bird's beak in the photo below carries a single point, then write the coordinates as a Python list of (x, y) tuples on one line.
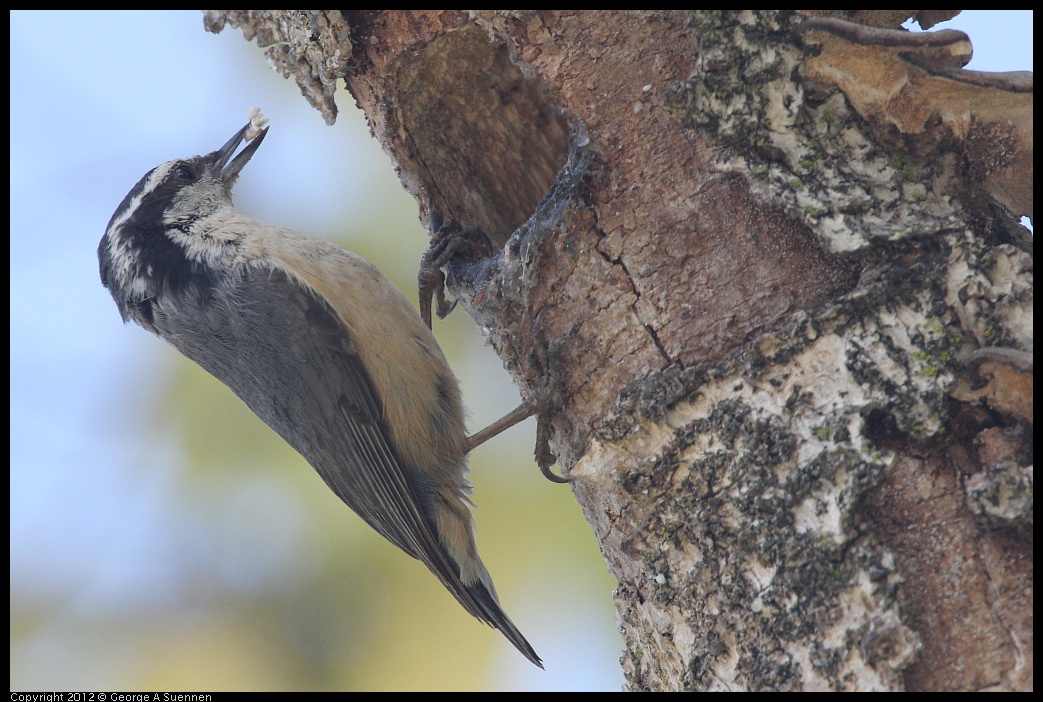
[(229, 167)]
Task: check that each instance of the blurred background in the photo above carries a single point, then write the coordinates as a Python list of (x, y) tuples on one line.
[(162, 537)]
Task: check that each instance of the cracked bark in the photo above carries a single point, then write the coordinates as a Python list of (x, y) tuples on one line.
[(758, 250)]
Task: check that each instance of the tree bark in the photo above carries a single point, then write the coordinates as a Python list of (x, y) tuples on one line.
[(772, 265)]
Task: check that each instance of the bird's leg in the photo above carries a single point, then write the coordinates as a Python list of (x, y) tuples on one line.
[(518, 414), (447, 241), (430, 278), (539, 404)]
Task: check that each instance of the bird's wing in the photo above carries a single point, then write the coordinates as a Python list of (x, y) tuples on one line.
[(283, 351)]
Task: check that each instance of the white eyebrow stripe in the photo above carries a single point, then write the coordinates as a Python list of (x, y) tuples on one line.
[(158, 175)]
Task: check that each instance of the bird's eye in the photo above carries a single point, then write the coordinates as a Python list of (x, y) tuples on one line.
[(183, 172)]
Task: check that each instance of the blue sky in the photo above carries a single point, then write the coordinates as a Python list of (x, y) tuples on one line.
[(98, 98)]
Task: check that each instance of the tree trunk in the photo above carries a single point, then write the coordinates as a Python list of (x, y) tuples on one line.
[(771, 265)]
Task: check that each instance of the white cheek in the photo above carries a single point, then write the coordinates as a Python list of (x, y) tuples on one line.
[(211, 240), (189, 204)]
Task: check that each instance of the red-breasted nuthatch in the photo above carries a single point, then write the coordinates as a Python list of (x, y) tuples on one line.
[(319, 344)]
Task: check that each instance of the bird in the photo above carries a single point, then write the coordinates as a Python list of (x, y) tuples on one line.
[(319, 345)]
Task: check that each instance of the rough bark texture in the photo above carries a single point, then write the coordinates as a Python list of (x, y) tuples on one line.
[(773, 265)]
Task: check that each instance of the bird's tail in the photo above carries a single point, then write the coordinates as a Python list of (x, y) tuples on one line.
[(461, 570), (495, 617)]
